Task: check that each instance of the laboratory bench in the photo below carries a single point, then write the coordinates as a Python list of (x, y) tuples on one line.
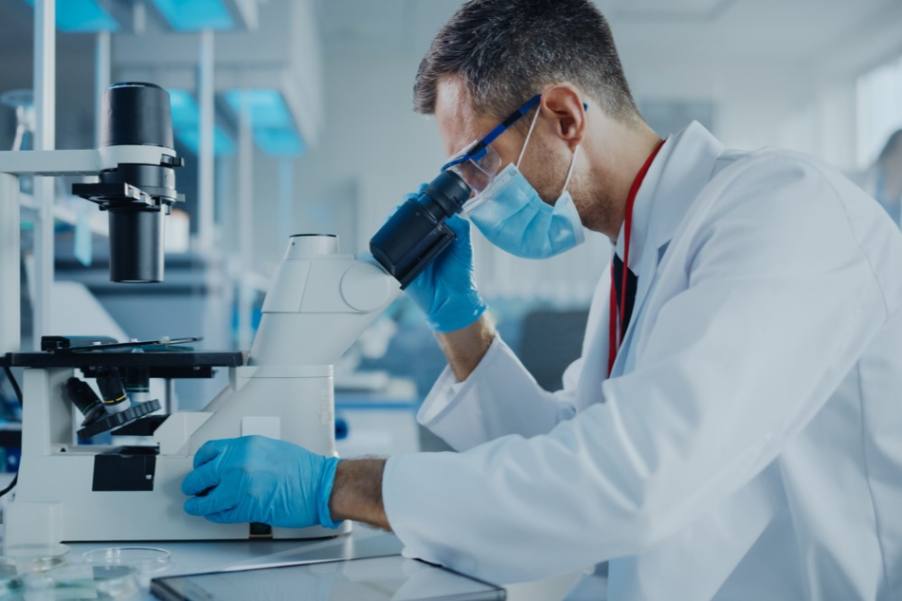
[(205, 556)]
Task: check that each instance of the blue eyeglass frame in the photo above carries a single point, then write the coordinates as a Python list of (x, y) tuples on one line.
[(479, 149)]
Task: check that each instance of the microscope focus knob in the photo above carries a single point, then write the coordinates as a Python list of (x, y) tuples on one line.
[(366, 287)]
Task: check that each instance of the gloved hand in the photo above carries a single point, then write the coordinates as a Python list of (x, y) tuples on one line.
[(259, 479), (445, 289)]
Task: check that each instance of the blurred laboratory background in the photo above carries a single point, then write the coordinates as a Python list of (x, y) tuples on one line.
[(295, 116)]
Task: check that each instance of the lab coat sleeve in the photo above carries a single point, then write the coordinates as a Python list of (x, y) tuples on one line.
[(500, 397), (780, 303)]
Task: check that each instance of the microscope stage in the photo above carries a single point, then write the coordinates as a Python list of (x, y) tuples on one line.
[(165, 364)]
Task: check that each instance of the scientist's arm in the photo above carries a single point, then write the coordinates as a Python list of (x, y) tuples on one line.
[(357, 493), (446, 293), (466, 347), (485, 392)]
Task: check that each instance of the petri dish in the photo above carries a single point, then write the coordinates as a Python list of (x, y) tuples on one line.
[(33, 558), (118, 583), (78, 581), (146, 560)]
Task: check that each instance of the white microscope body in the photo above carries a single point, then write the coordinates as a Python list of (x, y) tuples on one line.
[(319, 304)]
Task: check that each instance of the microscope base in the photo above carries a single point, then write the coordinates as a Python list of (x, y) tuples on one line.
[(64, 508)]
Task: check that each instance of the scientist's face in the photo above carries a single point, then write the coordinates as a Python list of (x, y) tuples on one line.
[(547, 156)]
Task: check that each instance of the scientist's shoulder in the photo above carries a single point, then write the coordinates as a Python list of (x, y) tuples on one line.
[(775, 170), (792, 185), (806, 201)]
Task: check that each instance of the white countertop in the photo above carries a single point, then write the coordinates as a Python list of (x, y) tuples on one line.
[(201, 556), (189, 557)]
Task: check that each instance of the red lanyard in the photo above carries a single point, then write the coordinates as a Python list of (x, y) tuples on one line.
[(617, 318)]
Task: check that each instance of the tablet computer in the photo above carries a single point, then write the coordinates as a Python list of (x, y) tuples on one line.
[(392, 578)]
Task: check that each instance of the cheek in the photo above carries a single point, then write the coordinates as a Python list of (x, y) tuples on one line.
[(581, 190), (546, 169)]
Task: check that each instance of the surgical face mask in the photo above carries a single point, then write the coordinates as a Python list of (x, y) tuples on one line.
[(511, 215)]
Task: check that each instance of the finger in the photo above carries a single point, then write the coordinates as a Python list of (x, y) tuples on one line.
[(210, 451), (412, 196), (229, 516), (459, 225), (204, 477), (219, 499)]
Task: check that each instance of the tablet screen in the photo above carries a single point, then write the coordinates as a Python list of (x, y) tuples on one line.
[(371, 579)]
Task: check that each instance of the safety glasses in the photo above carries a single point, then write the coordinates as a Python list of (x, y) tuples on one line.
[(478, 163)]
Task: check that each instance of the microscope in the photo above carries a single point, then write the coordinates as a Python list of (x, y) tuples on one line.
[(78, 481)]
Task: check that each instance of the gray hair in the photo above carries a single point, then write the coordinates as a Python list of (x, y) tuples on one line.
[(506, 51)]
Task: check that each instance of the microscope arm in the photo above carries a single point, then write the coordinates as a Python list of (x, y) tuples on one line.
[(319, 304), (83, 162)]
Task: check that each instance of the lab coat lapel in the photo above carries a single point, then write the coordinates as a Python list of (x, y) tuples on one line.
[(683, 168)]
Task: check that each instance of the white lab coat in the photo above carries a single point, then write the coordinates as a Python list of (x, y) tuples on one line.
[(749, 442)]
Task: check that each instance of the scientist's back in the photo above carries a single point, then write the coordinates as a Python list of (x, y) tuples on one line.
[(835, 485)]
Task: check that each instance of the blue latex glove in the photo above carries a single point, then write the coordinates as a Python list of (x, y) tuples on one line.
[(259, 479), (445, 289)]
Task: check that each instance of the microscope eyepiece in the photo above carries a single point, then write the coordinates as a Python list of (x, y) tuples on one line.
[(417, 233)]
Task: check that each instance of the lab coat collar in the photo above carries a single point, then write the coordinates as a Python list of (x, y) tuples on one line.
[(676, 176), (641, 214), (681, 170)]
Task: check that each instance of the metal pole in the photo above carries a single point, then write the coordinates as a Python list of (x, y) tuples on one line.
[(286, 197), (205, 158), (168, 397), (101, 81), (139, 16), (44, 139), (10, 319), (245, 227)]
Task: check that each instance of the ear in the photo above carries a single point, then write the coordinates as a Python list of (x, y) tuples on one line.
[(563, 104)]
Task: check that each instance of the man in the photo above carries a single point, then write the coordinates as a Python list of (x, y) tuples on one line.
[(732, 429)]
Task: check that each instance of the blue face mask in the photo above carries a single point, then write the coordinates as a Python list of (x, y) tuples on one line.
[(511, 215)]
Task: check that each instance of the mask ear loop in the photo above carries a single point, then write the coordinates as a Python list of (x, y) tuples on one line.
[(572, 163), (570, 171), (532, 126)]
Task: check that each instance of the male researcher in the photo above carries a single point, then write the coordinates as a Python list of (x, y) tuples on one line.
[(733, 428)]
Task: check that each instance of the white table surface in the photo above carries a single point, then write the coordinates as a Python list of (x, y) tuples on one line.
[(201, 556), (189, 557)]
